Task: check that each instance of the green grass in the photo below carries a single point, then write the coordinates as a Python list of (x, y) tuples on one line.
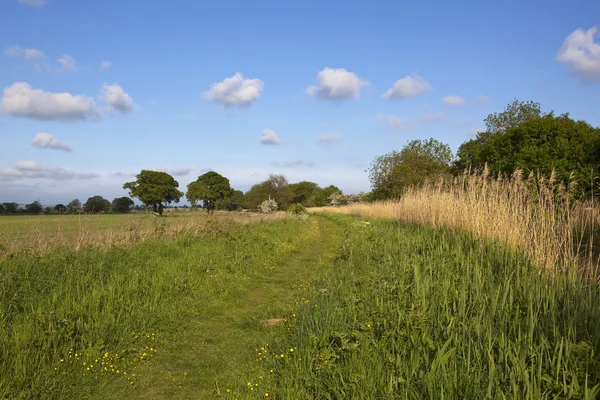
[(410, 312), (372, 311)]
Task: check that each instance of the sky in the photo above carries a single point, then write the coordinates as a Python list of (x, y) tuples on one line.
[(92, 92)]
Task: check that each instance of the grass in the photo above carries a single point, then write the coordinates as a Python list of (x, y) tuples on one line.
[(40, 234), (320, 307), (152, 320), (536, 215), (411, 312)]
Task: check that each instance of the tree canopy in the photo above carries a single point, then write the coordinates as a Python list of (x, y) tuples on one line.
[(275, 187), (74, 205), (153, 188), (122, 204), (34, 208), (10, 208), (417, 162), (208, 188), (96, 204), (61, 208)]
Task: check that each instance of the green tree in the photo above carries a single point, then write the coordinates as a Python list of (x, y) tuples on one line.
[(2, 209), (34, 208), (547, 144), (153, 188), (60, 208), (234, 202), (474, 153), (10, 208), (417, 162), (208, 188), (303, 192), (122, 204), (322, 197), (74, 206), (96, 204), (276, 187)]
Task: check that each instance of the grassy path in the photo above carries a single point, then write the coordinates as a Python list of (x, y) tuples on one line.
[(217, 349)]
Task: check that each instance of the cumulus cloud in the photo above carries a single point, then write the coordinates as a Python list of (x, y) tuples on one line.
[(33, 170), (482, 99), (116, 98), (105, 65), (294, 164), (400, 123), (179, 171), (21, 100), (330, 139), (269, 137), (67, 63), (235, 91), (28, 54), (435, 117), (582, 53), (46, 141), (337, 84), (34, 3), (409, 86), (454, 101)]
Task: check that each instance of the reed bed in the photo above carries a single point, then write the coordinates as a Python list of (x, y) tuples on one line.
[(536, 215)]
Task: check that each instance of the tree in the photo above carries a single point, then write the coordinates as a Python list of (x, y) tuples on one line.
[(234, 202), (60, 208), (2, 209), (547, 144), (96, 204), (323, 196), (276, 187), (122, 204), (10, 208), (303, 192), (208, 188), (74, 206), (153, 188), (515, 114), (34, 208), (417, 162), (472, 153)]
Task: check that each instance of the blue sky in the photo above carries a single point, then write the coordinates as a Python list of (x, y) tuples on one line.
[(94, 92)]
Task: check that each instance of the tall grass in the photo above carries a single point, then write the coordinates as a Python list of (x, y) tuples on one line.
[(42, 234), (536, 215), (412, 312)]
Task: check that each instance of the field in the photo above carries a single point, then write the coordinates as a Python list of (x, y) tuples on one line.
[(326, 306)]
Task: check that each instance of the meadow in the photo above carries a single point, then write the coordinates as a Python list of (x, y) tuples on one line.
[(395, 301)]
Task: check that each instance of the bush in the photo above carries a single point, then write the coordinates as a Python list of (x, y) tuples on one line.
[(268, 206), (297, 209)]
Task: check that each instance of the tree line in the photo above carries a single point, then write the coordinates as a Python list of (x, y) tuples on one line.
[(521, 137)]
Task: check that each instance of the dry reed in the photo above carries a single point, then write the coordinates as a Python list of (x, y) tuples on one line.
[(536, 215)]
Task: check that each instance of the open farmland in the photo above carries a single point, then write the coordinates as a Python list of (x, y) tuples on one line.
[(296, 307)]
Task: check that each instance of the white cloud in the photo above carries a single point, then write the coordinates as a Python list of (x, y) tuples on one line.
[(105, 65), (330, 139), (582, 53), (120, 174), (294, 164), (482, 99), (67, 63), (21, 100), (269, 137), (33, 170), (46, 141), (435, 117), (117, 99), (34, 3), (454, 101), (337, 84), (473, 132), (235, 91), (408, 86), (400, 123), (28, 54), (179, 171)]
